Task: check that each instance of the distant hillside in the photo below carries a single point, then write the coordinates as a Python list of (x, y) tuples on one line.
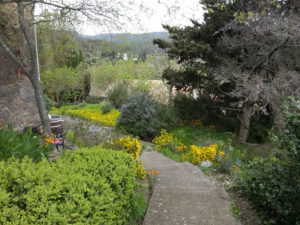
[(133, 38)]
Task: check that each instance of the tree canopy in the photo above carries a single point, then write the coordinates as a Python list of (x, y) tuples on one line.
[(237, 55)]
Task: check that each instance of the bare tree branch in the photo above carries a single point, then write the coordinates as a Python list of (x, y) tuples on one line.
[(267, 56), (25, 31)]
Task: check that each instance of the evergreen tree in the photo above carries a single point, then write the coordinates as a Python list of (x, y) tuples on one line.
[(232, 57)]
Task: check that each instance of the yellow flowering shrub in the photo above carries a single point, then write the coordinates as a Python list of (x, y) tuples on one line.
[(130, 145), (133, 147), (163, 140), (91, 112), (139, 169), (109, 119), (197, 154), (235, 167), (194, 154), (221, 153), (166, 140)]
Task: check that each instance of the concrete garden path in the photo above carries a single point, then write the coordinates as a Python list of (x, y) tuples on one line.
[(183, 196)]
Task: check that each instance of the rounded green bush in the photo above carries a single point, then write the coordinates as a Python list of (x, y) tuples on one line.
[(118, 95), (107, 107), (90, 186), (144, 117)]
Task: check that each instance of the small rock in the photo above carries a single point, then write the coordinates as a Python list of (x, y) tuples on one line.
[(206, 163)]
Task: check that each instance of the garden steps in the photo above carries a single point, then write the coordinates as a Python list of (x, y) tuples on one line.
[(183, 196)]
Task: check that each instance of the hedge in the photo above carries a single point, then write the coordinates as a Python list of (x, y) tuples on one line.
[(90, 186)]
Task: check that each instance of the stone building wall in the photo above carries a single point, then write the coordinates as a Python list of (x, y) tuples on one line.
[(17, 99)]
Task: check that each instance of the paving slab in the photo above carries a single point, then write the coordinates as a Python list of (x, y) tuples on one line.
[(183, 196)]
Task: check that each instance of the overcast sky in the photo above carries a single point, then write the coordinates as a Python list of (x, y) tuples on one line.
[(146, 15), (155, 13)]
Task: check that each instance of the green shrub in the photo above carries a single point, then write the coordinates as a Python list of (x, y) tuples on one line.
[(144, 117), (205, 109), (93, 99), (90, 186), (19, 145), (259, 128), (107, 107), (66, 85), (273, 184), (139, 208), (118, 95), (166, 116), (49, 102), (86, 83)]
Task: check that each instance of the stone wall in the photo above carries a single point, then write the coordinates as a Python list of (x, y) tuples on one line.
[(17, 99)]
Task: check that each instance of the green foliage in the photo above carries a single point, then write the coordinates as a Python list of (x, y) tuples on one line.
[(138, 208), (86, 83), (188, 108), (107, 107), (90, 186), (93, 99), (236, 211), (118, 95), (111, 47), (73, 59), (103, 76), (273, 183), (205, 109), (58, 81), (20, 145), (199, 41), (200, 136), (58, 46), (214, 66), (171, 154), (107, 73), (49, 102), (235, 154), (144, 117), (133, 147), (260, 127), (82, 136), (66, 85), (233, 158)]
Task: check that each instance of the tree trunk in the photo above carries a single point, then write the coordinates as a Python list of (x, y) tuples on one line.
[(41, 105), (245, 121), (278, 120), (57, 98)]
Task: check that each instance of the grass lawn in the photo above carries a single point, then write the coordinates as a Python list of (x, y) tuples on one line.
[(200, 136)]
